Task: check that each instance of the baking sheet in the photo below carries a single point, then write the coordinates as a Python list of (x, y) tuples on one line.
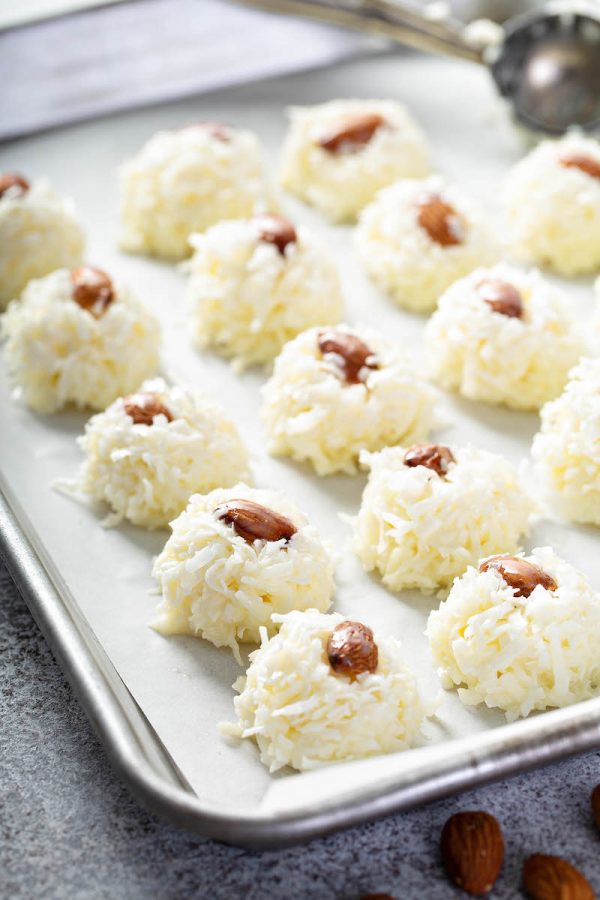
[(183, 684)]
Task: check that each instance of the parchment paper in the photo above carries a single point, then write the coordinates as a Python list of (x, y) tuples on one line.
[(182, 684)]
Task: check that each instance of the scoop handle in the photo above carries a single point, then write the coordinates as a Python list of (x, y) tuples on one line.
[(398, 21)]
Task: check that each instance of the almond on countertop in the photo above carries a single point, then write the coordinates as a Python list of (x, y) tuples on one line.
[(472, 849), (595, 800), (552, 878)]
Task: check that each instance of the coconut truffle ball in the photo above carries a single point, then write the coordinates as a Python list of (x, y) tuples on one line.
[(257, 283), (566, 451), (337, 155), (335, 392), (519, 633), (38, 233), (503, 336), (149, 451), (325, 689), (417, 237), (552, 202), (235, 557), (184, 181), (75, 337), (430, 511)]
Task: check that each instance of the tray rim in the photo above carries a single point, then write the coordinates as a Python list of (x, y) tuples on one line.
[(135, 752)]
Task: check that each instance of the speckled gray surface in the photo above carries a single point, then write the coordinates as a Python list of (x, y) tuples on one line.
[(70, 829)]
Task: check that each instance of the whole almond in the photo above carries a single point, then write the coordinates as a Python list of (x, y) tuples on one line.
[(443, 224), (502, 297), (552, 878), (595, 799), (351, 133), (436, 457), (586, 164), (16, 184), (472, 851), (521, 575), (351, 649), (254, 522), (350, 355), (92, 289), (274, 229), (144, 406)]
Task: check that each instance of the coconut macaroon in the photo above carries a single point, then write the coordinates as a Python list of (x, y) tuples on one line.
[(552, 200), (417, 237), (503, 336), (324, 690), (257, 283), (430, 511), (337, 391), (38, 233), (235, 557), (184, 181), (337, 155), (77, 338), (566, 451), (519, 633), (149, 451)]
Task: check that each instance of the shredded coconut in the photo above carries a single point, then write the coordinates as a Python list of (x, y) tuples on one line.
[(420, 530), (218, 586), (485, 355), (566, 451), (310, 412), (38, 233), (184, 181), (519, 653), (147, 473), (58, 353), (552, 210), (303, 714), (340, 185), (247, 299), (401, 257)]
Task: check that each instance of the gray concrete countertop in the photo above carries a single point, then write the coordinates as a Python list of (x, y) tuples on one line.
[(71, 831)]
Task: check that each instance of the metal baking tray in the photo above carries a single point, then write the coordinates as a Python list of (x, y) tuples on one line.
[(155, 702)]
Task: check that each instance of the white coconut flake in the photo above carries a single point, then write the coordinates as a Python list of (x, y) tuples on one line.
[(246, 298), (312, 414), (147, 473), (553, 210), (218, 586), (402, 258), (485, 355), (38, 234), (420, 530), (303, 714), (184, 181), (519, 654), (58, 353), (339, 185)]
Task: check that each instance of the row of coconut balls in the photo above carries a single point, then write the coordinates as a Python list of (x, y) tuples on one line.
[(245, 565), (415, 237), (336, 391)]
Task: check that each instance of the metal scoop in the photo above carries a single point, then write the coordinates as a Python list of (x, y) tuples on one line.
[(546, 65)]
